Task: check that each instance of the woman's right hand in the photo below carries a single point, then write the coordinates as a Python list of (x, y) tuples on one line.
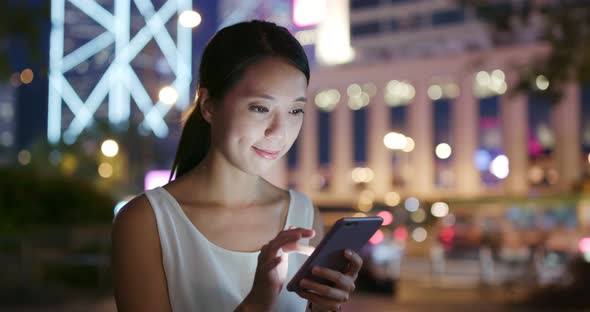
[(268, 281)]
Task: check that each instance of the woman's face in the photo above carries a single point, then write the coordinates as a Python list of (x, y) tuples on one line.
[(260, 117)]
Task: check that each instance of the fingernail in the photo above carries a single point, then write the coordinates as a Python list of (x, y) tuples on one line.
[(315, 269), (348, 252)]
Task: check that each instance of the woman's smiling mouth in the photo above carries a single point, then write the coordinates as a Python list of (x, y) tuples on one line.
[(266, 153)]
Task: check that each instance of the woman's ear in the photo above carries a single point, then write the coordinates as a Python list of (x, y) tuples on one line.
[(205, 104)]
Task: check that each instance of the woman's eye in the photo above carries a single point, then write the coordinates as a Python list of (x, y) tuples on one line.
[(297, 111), (259, 109)]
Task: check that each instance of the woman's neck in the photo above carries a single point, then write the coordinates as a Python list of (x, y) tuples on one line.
[(215, 180)]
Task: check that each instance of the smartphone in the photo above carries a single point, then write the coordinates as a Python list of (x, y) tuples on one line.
[(347, 233)]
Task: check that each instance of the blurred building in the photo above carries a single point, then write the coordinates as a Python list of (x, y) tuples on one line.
[(389, 30), (122, 69), (436, 73), (111, 60), (7, 123)]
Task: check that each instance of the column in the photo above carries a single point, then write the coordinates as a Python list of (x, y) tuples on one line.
[(420, 125), (379, 157), (514, 121), (307, 153), (341, 149), (465, 112), (566, 124)]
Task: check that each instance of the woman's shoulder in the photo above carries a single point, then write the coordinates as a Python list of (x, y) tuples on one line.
[(136, 215)]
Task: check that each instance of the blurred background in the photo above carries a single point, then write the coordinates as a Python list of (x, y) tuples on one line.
[(465, 124)]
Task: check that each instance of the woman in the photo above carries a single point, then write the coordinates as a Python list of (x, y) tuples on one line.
[(220, 237)]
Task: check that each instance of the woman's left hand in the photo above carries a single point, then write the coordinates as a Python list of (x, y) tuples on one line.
[(324, 297)]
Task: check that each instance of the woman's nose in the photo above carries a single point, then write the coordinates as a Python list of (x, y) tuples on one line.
[(276, 128)]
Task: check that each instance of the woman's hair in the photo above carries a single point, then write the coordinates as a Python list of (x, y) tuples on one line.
[(224, 61)]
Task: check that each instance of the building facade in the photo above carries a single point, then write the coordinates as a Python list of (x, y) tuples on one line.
[(433, 71)]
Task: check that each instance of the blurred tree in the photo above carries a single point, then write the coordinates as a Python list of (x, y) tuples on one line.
[(82, 159), (28, 199), (563, 24), (21, 22)]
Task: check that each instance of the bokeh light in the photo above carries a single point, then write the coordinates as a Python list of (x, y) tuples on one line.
[(536, 174), (542, 83), (449, 220), (168, 95), (398, 93), (443, 151), (366, 201), (435, 92), (584, 245), (412, 204), (386, 216), (392, 199), (410, 145), (362, 175), (105, 170), (26, 76), (500, 167), (418, 216), (327, 100), (400, 233), (439, 209), (358, 97), (189, 19), (482, 160), (419, 234), (110, 148), (377, 238), (395, 141), (24, 157), (489, 84), (447, 234)]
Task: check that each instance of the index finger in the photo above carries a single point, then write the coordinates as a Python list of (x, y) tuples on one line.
[(305, 233), (356, 262)]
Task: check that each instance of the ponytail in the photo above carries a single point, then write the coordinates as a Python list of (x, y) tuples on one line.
[(194, 144)]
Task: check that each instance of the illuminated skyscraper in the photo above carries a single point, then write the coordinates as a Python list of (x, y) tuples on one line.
[(110, 58)]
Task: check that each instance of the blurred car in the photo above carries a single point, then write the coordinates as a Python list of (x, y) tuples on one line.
[(460, 238), (382, 265)]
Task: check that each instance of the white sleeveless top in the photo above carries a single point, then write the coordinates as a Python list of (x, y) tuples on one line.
[(202, 276)]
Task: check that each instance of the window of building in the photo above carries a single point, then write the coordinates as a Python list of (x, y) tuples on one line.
[(360, 135), (358, 30), (447, 17), (363, 4)]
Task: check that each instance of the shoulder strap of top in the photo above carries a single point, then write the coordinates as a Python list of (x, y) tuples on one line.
[(301, 214)]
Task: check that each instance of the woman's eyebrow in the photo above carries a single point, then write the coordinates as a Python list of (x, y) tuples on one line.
[(268, 97), (301, 99)]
